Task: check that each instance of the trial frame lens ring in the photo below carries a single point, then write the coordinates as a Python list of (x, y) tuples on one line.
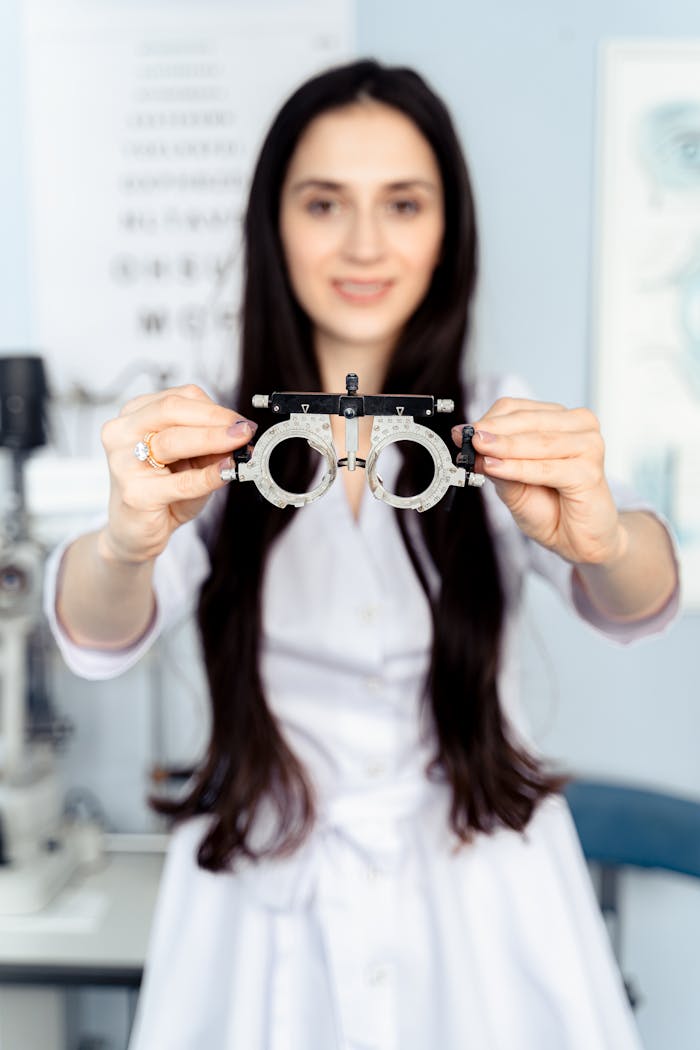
[(388, 430), (316, 431)]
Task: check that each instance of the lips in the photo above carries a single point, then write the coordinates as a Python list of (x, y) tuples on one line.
[(362, 291)]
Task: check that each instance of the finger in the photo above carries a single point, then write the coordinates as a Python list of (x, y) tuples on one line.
[(505, 405), (160, 489), (537, 444), (567, 475), (178, 443), (174, 409), (171, 410), (527, 420), (551, 419), (181, 448), (190, 390), (199, 462)]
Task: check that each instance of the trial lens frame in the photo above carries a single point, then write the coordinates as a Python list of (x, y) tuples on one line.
[(393, 421)]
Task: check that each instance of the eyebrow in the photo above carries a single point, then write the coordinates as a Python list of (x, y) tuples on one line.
[(337, 187)]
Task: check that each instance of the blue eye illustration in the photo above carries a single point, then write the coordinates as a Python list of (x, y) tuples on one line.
[(669, 141)]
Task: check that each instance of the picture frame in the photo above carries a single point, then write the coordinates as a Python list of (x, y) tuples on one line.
[(646, 329)]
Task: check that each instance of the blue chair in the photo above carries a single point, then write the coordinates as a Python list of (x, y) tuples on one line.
[(621, 827)]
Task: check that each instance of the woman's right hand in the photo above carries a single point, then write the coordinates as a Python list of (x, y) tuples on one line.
[(191, 434)]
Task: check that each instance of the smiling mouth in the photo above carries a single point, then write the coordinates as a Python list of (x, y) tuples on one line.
[(362, 291)]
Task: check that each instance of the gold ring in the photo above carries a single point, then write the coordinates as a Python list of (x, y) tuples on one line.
[(142, 451)]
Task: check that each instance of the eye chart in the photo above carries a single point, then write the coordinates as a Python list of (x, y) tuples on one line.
[(143, 121)]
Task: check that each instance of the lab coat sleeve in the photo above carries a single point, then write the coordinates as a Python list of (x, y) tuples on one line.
[(561, 574), (179, 572)]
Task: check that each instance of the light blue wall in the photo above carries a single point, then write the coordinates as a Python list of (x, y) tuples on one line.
[(521, 81)]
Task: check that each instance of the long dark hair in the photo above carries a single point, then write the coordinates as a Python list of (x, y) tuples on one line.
[(493, 779)]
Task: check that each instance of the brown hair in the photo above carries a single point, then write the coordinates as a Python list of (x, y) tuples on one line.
[(493, 779)]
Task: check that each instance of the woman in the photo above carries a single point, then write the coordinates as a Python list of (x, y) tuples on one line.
[(369, 855)]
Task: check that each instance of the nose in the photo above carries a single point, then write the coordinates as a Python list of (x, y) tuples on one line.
[(364, 241)]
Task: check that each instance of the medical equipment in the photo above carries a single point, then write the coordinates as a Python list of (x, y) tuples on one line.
[(37, 851), (393, 421)]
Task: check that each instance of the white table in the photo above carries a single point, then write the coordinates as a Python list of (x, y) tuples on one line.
[(95, 932)]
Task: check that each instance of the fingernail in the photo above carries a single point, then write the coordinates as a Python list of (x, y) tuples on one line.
[(226, 470), (240, 426), (491, 461), (483, 435), (457, 433)]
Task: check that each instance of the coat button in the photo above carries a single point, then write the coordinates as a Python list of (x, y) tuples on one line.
[(375, 875), (377, 976)]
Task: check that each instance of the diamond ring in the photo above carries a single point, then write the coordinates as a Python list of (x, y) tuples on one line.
[(142, 451)]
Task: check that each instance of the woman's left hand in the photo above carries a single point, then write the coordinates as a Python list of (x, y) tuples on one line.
[(546, 462)]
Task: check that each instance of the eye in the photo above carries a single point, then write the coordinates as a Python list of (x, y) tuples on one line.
[(322, 206), (404, 206)]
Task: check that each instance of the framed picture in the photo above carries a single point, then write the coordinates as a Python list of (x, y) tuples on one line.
[(647, 282)]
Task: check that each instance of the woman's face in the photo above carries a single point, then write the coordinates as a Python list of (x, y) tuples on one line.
[(361, 222)]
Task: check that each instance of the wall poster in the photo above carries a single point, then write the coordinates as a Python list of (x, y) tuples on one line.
[(647, 344), (143, 121)]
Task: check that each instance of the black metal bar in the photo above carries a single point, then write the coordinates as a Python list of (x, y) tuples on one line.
[(284, 403), (70, 975)]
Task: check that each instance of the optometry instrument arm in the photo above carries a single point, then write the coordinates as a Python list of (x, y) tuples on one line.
[(466, 457)]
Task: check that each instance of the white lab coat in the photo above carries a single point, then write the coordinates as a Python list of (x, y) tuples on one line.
[(378, 934)]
